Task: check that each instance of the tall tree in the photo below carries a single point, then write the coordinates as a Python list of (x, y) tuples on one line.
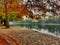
[(6, 21)]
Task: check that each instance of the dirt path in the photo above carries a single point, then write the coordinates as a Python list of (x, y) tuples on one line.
[(5, 38), (23, 36), (8, 40)]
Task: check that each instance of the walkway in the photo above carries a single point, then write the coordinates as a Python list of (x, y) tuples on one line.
[(16, 35)]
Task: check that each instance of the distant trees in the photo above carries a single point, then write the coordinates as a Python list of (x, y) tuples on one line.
[(54, 19)]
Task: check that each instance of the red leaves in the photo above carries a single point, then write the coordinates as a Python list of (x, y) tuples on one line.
[(21, 9)]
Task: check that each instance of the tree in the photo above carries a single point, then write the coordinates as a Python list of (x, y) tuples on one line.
[(6, 21)]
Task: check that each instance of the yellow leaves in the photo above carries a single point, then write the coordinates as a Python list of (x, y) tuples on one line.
[(2, 13), (1, 8), (1, 0), (14, 4), (13, 8)]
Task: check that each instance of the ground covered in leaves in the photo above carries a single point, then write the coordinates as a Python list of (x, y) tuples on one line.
[(23, 36)]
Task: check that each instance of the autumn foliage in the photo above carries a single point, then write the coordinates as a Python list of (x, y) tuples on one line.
[(13, 5)]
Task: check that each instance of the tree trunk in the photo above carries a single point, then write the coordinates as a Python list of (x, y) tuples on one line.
[(6, 22)]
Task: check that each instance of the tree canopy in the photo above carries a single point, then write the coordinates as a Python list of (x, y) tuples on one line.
[(37, 7)]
